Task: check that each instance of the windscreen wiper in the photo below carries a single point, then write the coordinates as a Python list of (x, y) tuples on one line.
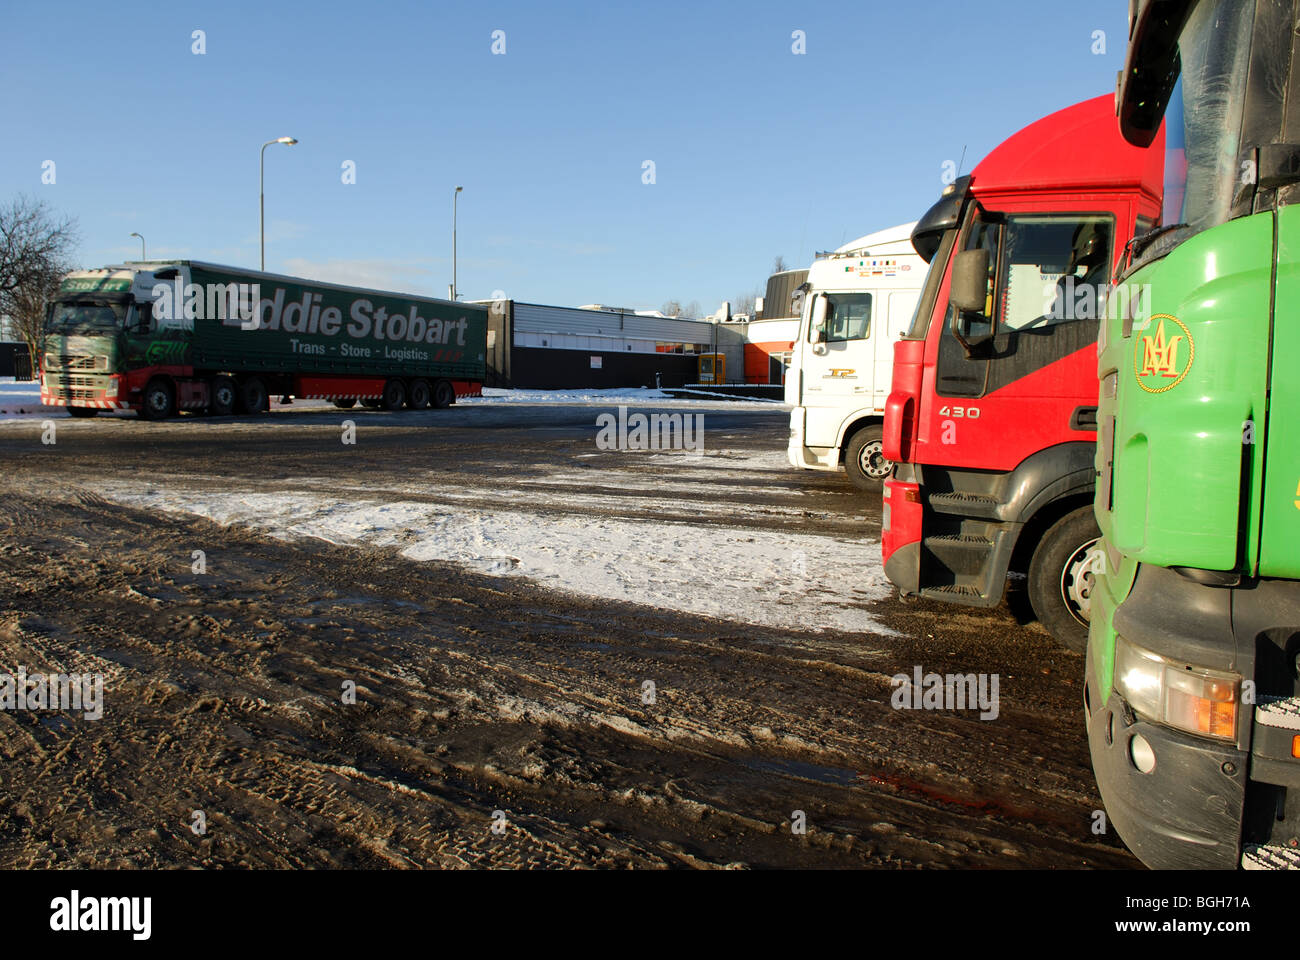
[(1133, 249)]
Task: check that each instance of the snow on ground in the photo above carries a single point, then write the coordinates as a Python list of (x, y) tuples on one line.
[(750, 575), (21, 400), (612, 395)]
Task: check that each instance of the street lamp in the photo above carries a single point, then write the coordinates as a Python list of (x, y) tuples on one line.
[(142, 254), (455, 198), (261, 192)]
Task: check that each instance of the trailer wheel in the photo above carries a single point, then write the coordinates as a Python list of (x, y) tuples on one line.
[(222, 392), (864, 459), (444, 394), (159, 400), (394, 395), (347, 403), (253, 397), (1062, 575), (419, 396), (82, 411)]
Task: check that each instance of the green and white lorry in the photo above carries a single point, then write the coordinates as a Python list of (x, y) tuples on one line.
[(165, 336)]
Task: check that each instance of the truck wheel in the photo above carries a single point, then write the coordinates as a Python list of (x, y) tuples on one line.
[(82, 411), (394, 395), (222, 392), (864, 459), (444, 394), (253, 397), (420, 395), (159, 401), (347, 403), (1062, 574)]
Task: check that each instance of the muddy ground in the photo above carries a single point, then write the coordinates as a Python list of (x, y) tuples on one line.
[(487, 701)]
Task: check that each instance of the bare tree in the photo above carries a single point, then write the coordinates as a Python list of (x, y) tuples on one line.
[(778, 265), (672, 308), (746, 303), (692, 309), (35, 252)]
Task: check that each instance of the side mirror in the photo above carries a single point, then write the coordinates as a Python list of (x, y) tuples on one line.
[(969, 288), (818, 323)]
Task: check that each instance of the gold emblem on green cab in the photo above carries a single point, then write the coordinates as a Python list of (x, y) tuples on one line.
[(1158, 361)]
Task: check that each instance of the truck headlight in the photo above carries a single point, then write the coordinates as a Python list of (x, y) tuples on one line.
[(1191, 698)]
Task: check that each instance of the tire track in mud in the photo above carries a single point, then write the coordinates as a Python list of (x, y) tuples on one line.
[(476, 695)]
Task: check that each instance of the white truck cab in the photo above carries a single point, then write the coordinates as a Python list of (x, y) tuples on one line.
[(857, 301)]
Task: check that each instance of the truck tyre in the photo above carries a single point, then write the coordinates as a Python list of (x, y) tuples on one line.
[(82, 411), (159, 400), (394, 395), (419, 395), (347, 403), (444, 394), (253, 397), (864, 459), (1062, 574), (222, 392)]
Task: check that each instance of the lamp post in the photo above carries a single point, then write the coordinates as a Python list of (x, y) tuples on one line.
[(142, 253), (261, 192), (455, 198)]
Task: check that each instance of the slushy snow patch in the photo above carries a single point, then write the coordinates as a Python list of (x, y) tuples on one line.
[(774, 579)]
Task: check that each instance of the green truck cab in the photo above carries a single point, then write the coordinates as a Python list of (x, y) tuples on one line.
[(1192, 694)]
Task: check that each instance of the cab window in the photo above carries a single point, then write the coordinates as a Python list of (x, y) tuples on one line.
[(1047, 276), (1054, 269), (848, 317)]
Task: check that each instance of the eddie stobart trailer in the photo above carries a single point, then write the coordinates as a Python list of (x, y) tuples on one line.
[(164, 336)]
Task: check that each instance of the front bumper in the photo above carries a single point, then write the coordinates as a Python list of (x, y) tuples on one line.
[(900, 531), (804, 457), (98, 392), (1205, 801), (1187, 812)]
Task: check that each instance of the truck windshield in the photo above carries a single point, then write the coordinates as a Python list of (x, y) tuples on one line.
[(1204, 118), (85, 317), (920, 325)]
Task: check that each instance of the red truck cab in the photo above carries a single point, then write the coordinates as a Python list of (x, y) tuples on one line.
[(991, 418)]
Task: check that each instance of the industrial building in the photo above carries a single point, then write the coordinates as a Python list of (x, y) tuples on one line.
[(535, 346)]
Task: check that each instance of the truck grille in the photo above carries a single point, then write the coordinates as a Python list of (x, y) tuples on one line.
[(69, 362), (1269, 857), (76, 382)]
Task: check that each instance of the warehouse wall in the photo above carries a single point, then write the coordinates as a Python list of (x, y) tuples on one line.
[(552, 348), (545, 368)]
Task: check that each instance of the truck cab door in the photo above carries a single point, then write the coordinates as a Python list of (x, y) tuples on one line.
[(839, 362), (1028, 355)]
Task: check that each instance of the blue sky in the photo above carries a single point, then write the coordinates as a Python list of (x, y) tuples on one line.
[(758, 152)]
